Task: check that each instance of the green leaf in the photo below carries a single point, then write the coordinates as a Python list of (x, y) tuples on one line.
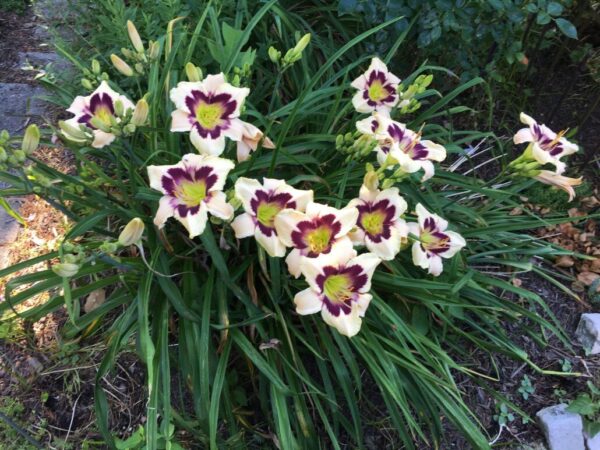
[(582, 405), (543, 18), (567, 28), (554, 9)]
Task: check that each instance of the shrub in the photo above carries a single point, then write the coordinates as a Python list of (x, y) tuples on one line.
[(227, 358)]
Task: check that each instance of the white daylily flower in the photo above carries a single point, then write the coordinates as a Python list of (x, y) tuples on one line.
[(547, 146), (377, 89), (404, 146), (209, 110), (251, 137), (100, 105), (435, 242), (192, 188), (559, 181), (379, 225), (262, 203), (339, 286), (319, 231)]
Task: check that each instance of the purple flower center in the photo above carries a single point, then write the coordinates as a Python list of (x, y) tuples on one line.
[(379, 90), (101, 106), (547, 143), (188, 187), (409, 142), (316, 236), (210, 113), (376, 219), (433, 241), (266, 205), (340, 286)]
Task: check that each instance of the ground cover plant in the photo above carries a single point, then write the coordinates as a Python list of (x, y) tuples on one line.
[(211, 135)]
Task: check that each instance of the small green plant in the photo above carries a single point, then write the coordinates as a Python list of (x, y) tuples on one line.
[(15, 6), (556, 199), (566, 365), (504, 415), (526, 388), (588, 406)]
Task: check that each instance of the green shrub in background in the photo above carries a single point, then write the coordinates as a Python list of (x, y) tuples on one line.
[(228, 360), (471, 37)]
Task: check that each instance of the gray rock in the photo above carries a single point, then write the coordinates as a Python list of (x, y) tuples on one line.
[(592, 443), (9, 228), (563, 429), (19, 103), (588, 333), (41, 59)]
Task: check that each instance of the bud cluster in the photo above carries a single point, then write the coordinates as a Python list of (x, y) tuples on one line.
[(94, 76), (136, 61), (292, 55), (15, 157), (407, 102), (355, 145), (70, 261), (241, 75)]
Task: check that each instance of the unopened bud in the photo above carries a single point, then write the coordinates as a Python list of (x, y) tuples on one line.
[(109, 247), (139, 68), (192, 72), (371, 180), (129, 129), (3, 155), (134, 36), (121, 65), (274, 54), (132, 232), (4, 136), (72, 132), (20, 156), (119, 108), (96, 67), (140, 114), (302, 43), (153, 50), (65, 270), (100, 124), (87, 84), (31, 139)]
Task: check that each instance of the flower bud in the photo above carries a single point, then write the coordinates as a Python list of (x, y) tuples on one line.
[(100, 124), (140, 114), (121, 65), (387, 183), (132, 232), (20, 156), (192, 72), (31, 139), (4, 136), (3, 155), (274, 55), (96, 67), (134, 37), (65, 270), (72, 132), (87, 84), (153, 50), (119, 108), (129, 128), (371, 180), (302, 43), (68, 247)]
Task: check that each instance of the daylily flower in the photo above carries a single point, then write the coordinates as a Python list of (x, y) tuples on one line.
[(376, 89), (319, 231), (435, 242), (99, 105), (192, 188), (404, 146), (262, 203), (546, 146), (209, 110), (559, 181), (251, 137), (339, 289), (379, 225)]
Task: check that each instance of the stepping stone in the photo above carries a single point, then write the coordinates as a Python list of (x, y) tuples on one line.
[(563, 429), (41, 60), (588, 333), (592, 443), (18, 103)]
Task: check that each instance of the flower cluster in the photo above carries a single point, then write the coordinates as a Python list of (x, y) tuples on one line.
[(544, 147), (320, 241)]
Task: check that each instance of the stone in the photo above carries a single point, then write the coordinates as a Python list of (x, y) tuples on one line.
[(41, 59), (588, 333), (20, 103), (9, 228), (592, 443), (563, 429)]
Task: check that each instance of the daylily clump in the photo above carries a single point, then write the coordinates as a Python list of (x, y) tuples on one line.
[(544, 147)]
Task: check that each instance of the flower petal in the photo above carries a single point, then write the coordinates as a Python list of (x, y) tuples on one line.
[(436, 266), (218, 206), (419, 256), (362, 303), (180, 121), (286, 222), (155, 174), (180, 92), (102, 139), (436, 152), (243, 226), (523, 135), (368, 262), (245, 190), (307, 302), (207, 145), (527, 120), (194, 223), (164, 211), (457, 242), (221, 167), (272, 244), (386, 249), (293, 261), (347, 324), (423, 214)]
